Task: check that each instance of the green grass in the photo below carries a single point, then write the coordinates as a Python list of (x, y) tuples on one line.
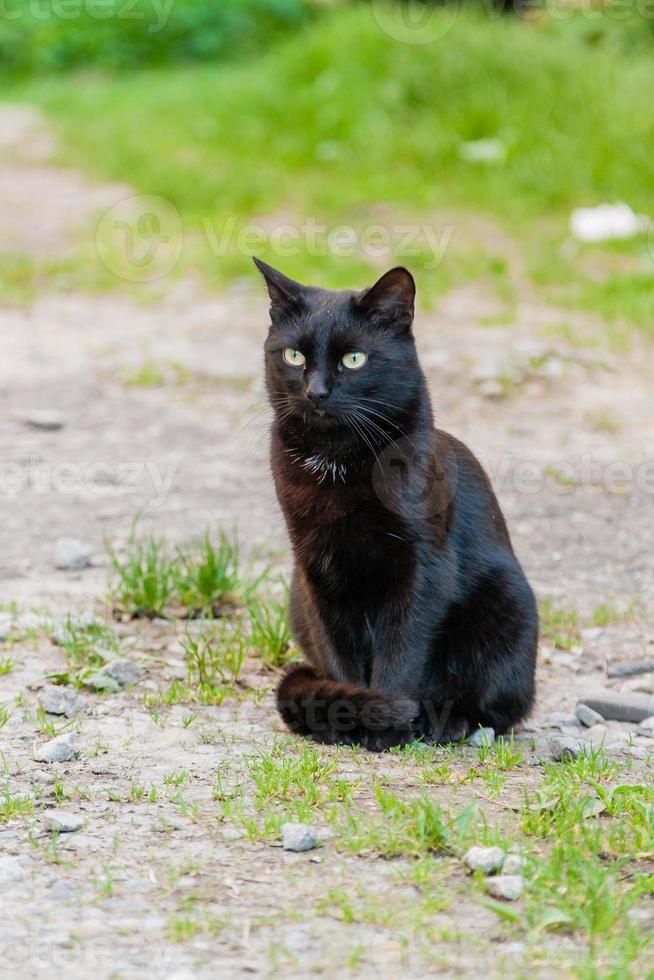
[(570, 106), (270, 631), (143, 576), (13, 807), (87, 644), (559, 626), (585, 828), (207, 577), (400, 827), (291, 782), (151, 578), (214, 660), (51, 38)]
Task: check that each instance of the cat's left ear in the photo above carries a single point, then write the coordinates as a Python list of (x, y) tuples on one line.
[(391, 300)]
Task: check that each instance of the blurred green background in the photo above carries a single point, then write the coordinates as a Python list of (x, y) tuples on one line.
[(272, 112)]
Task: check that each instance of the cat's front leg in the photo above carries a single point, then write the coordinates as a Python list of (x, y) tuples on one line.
[(400, 666)]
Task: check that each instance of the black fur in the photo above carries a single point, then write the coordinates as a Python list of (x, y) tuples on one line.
[(407, 600)]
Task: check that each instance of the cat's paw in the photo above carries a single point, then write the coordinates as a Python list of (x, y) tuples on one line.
[(455, 729)]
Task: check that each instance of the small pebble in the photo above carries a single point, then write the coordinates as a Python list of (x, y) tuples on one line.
[(124, 672), (60, 701), (482, 737), (486, 859), (559, 719), (46, 421), (71, 554), (508, 887), (630, 668), (62, 821), (624, 706), (59, 749), (565, 748), (588, 716), (298, 837), (100, 768), (648, 723), (11, 869), (514, 864), (491, 389)]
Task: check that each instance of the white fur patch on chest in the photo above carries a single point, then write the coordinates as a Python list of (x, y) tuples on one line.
[(322, 467)]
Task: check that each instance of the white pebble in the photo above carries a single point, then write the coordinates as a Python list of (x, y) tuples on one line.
[(71, 554), (298, 837), (513, 865), (62, 821), (483, 736), (486, 859), (508, 887), (59, 749)]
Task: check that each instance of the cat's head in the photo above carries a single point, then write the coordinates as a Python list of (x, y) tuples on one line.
[(341, 359)]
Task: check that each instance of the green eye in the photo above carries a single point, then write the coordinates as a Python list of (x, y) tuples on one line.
[(355, 360), (294, 357)]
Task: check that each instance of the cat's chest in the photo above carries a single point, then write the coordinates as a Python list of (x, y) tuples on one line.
[(342, 531), (364, 556)]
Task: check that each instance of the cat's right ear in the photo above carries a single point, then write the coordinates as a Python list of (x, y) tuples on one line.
[(286, 295)]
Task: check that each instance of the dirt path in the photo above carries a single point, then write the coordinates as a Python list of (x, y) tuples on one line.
[(552, 420)]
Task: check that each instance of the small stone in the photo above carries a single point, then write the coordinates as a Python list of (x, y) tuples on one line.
[(60, 701), (59, 749), (482, 737), (100, 768), (587, 716), (630, 668), (565, 748), (514, 864), (559, 719), (46, 421), (11, 869), (298, 837), (124, 672), (648, 724), (591, 633), (486, 859), (492, 390), (615, 706), (508, 887), (232, 833), (72, 554), (62, 821)]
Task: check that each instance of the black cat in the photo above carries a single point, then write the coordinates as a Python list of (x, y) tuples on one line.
[(407, 601)]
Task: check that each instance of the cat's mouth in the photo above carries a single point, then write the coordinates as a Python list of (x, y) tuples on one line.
[(322, 418)]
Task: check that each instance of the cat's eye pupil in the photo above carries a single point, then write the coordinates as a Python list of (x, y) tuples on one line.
[(294, 357), (354, 360)]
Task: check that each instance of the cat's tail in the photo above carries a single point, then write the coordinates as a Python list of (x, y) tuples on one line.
[(333, 712)]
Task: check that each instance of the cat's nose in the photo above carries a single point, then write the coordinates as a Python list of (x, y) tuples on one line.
[(316, 390)]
